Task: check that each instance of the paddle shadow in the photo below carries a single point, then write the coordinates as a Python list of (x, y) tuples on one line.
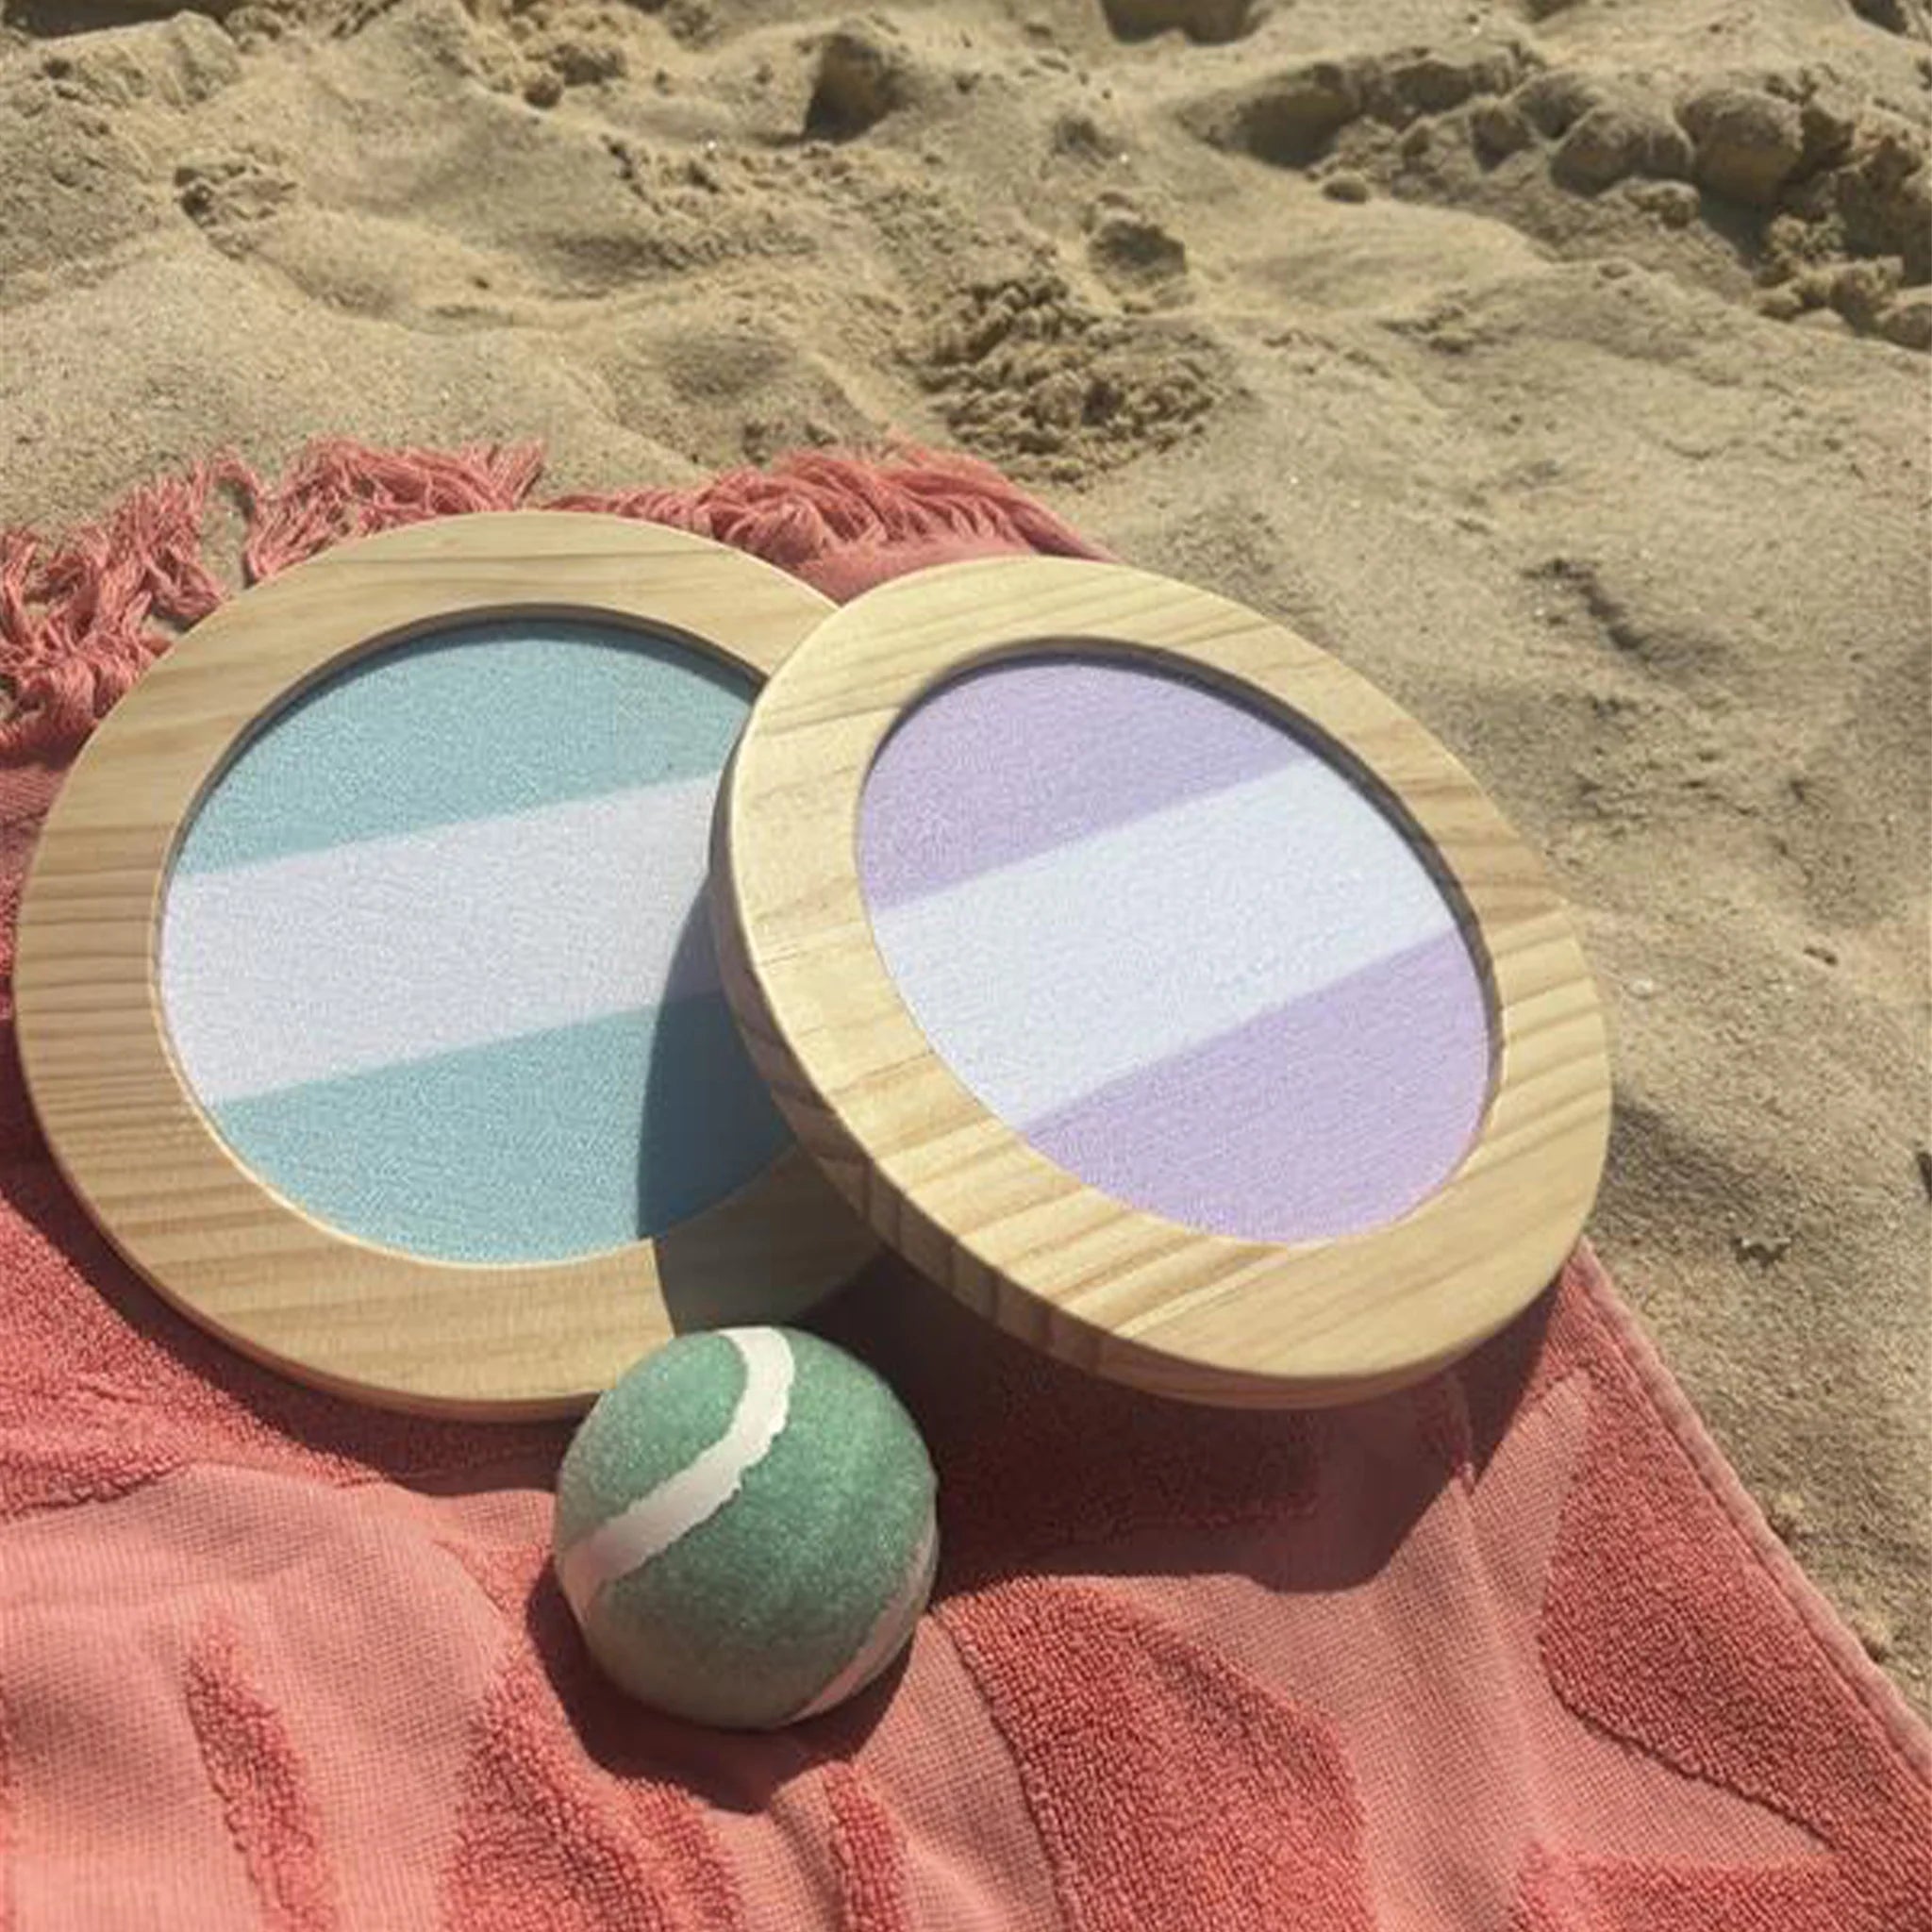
[(744, 1228), (1047, 1471), (709, 1125)]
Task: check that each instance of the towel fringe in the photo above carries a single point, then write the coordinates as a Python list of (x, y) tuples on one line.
[(77, 613), (338, 489), (81, 614), (815, 503)]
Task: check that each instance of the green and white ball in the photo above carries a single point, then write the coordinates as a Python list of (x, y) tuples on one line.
[(744, 1527)]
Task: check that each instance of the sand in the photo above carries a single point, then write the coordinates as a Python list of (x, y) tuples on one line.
[(1555, 365)]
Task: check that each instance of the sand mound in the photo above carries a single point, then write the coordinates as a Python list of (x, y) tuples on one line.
[(1551, 362)]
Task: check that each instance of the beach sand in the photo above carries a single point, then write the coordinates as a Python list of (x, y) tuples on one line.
[(1556, 365)]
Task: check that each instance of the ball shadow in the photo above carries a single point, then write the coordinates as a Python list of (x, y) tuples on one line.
[(735, 1771)]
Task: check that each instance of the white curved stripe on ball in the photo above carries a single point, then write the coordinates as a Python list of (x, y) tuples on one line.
[(696, 1493), (888, 1631)]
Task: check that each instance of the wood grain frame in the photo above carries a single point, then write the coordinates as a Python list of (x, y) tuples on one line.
[(473, 1341), (1116, 1290)]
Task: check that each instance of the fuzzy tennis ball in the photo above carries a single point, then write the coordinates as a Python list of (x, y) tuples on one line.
[(744, 1527)]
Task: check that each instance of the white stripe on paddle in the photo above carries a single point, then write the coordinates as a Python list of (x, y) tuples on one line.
[(388, 950), (650, 1525), (1041, 981)]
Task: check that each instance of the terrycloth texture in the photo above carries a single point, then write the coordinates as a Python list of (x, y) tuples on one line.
[(1510, 1652), (1177, 950), (436, 953)]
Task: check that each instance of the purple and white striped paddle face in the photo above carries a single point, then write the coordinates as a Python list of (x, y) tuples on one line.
[(1181, 954)]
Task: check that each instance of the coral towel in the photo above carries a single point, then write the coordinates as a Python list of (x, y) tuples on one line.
[(1511, 1653)]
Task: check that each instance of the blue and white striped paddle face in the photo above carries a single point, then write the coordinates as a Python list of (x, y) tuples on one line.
[(435, 957), (1184, 956)]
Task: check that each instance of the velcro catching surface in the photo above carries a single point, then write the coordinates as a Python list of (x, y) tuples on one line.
[(435, 954), (1182, 954)]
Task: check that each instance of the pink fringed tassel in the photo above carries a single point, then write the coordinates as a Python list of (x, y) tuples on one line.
[(337, 488), (76, 614), (812, 508), (793, 515)]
